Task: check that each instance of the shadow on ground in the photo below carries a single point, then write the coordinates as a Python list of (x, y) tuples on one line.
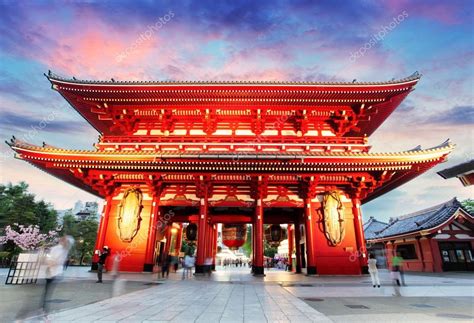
[(20, 301)]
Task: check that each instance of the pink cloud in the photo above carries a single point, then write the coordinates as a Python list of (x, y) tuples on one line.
[(443, 12)]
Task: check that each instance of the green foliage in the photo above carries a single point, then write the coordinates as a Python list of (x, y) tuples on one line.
[(188, 249), (247, 247), (17, 205), (5, 257), (468, 205), (268, 250), (84, 233)]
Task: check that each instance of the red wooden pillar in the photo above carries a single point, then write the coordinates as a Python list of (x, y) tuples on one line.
[(257, 262), (151, 240), (298, 246), (201, 242), (213, 245), (359, 235), (436, 253), (209, 245), (104, 221), (290, 245), (422, 256), (168, 234), (310, 242)]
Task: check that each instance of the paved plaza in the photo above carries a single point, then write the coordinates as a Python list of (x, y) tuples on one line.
[(233, 295)]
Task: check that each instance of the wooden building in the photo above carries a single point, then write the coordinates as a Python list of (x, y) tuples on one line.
[(204, 153), (436, 239)]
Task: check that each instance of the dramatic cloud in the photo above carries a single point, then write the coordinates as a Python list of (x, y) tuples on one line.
[(244, 40), (463, 115), (49, 123)]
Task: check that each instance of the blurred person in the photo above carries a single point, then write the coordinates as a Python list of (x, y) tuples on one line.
[(67, 263), (373, 271), (165, 266), (208, 265), (100, 265), (397, 266), (188, 265), (54, 262), (175, 264), (118, 283)]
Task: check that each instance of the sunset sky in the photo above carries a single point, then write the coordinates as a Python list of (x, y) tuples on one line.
[(242, 40)]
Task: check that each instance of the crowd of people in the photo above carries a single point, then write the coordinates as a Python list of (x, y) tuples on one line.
[(235, 262), (56, 261)]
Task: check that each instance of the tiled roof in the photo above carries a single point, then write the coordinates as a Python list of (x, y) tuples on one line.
[(372, 226), (459, 169), (414, 222), (51, 76)]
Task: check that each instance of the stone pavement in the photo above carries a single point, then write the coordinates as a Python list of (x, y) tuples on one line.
[(198, 301), (233, 295)]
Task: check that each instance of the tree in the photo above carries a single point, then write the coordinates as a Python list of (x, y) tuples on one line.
[(268, 250), (27, 238), (84, 233), (187, 248), (468, 205), (18, 206), (247, 247)]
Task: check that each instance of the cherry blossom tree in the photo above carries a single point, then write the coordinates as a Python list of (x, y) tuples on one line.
[(28, 237)]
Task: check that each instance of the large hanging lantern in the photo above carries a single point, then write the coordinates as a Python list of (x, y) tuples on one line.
[(274, 234), (191, 232), (234, 235)]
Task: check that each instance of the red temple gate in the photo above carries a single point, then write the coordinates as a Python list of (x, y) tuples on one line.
[(234, 152)]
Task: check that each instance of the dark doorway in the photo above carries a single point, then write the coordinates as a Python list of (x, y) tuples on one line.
[(456, 256)]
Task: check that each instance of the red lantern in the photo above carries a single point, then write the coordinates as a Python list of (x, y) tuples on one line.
[(274, 234), (234, 235)]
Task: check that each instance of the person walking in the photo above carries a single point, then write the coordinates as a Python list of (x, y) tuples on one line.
[(397, 266), (188, 265), (118, 283), (208, 266), (54, 261), (100, 265), (373, 271), (165, 266)]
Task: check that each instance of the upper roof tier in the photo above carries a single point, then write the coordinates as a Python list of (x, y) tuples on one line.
[(220, 109)]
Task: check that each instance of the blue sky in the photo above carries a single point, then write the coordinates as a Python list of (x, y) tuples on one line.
[(242, 40)]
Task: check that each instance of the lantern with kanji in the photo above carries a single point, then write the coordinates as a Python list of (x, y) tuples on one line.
[(274, 234), (234, 235), (191, 232)]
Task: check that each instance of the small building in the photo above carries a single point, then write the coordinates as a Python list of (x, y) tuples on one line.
[(464, 171), (436, 239), (371, 228)]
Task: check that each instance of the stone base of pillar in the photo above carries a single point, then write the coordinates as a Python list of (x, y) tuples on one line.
[(203, 269), (94, 266), (311, 271), (365, 269), (258, 271), (148, 268), (200, 269)]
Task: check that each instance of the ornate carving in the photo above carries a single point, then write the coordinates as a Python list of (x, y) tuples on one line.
[(334, 226), (259, 187), (129, 214)]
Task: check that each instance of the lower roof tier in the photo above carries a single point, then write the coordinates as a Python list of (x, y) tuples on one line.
[(367, 175)]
